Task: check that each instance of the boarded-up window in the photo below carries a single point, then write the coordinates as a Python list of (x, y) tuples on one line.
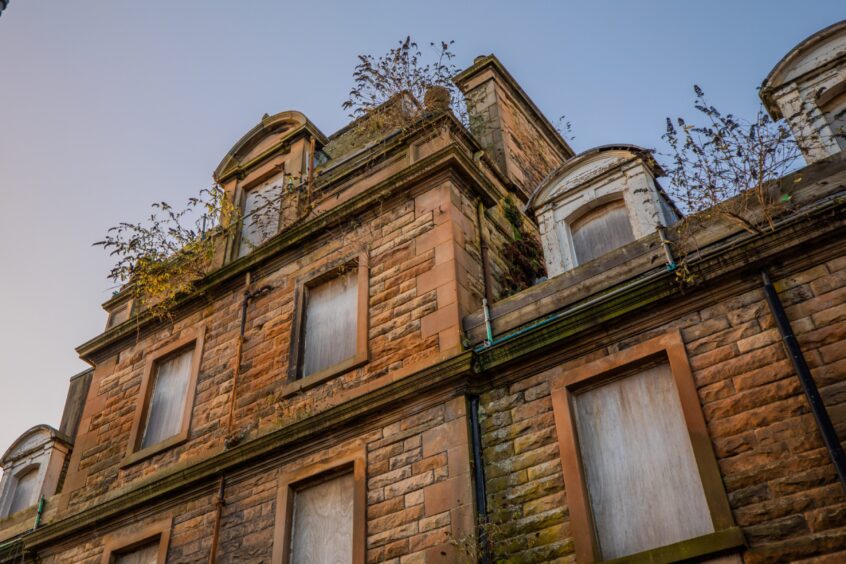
[(330, 322), (147, 553), (26, 491), (642, 479), (835, 111), (260, 221), (322, 526), (118, 315), (601, 230), (166, 408)]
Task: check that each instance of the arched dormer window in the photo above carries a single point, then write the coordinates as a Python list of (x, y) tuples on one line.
[(833, 105), (26, 490), (599, 201), (601, 230), (32, 467)]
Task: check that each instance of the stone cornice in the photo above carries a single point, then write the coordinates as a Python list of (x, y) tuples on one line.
[(452, 372), (795, 236), (451, 157)]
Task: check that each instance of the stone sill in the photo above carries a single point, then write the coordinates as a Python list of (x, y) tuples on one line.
[(706, 545)]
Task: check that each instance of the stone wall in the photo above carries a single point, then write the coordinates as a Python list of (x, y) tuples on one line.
[(418, 263), (780, 482), (418, 492)]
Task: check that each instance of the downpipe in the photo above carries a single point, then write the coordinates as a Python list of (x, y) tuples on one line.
[(809, 386), (479, 488)]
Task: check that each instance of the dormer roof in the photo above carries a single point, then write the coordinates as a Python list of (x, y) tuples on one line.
[(587, 166), (813, 54), (32, 439), (264, 138)]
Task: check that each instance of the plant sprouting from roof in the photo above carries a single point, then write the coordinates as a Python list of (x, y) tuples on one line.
[(726, 166), (403, 69), (161, 258)]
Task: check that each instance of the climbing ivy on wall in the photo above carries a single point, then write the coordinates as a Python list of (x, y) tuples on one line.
[(523, 253)]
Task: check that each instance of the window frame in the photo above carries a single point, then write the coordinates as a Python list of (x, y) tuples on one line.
[(127, 307), (565, 384), (118, 542), (134, 452), (313, 278), (290, 482), (242, 204), (35, 468)]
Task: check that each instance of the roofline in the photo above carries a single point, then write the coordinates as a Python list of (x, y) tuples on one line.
[(54, 434), (641, 152), (223, 170)]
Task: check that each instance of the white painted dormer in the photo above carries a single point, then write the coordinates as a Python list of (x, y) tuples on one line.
[(596, 202), (808, 88), (32, 467)]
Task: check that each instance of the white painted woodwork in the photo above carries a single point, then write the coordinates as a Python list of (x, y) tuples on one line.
[(167, 401), (260, 220), (36, 458), (835, 114), (322, 526), (641, 474), (26, 491), (330, 321), (794, 88), (601, 230), (590, 181), (146, 554)]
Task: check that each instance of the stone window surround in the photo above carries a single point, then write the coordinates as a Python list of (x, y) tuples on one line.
[(564, 384), (132, 537), (312, 278), (15, 480), (241, 202), (125, 306), (350, 459), (133, 454), (585, 209)]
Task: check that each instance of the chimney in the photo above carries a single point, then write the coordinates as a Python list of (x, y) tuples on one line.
[(510, 128)]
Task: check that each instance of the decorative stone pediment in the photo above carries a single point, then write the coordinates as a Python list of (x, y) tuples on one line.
[(808, 89), (35, 438), (614, 183), (814, 53), (263, 138), (581, 170)]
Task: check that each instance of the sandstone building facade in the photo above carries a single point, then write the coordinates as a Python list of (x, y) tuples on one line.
[(377, 375)]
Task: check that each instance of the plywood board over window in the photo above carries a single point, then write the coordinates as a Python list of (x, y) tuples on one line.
[(26, 490), (139, 545), (166, 397), (601, 230), (329, 333), (641, 476), (260, 213), (320, 512)]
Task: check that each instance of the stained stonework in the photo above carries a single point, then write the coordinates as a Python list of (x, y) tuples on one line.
[(450, 415)]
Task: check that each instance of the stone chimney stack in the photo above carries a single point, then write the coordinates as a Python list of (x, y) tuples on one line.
[(512, 130)]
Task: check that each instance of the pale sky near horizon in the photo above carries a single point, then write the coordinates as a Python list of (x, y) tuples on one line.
[(107, 106)]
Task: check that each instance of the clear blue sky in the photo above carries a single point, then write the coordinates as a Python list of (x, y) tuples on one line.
[(108, 106)]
